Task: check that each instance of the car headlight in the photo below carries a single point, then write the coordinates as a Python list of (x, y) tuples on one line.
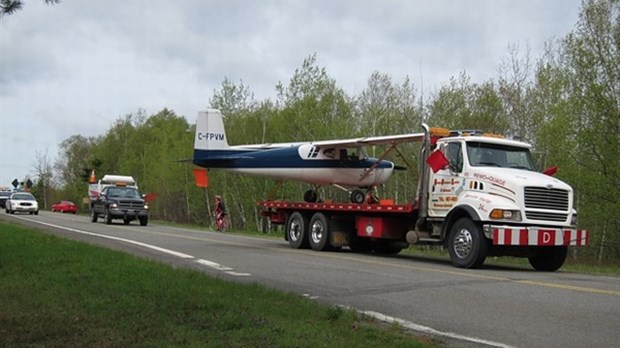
[(501, 214)]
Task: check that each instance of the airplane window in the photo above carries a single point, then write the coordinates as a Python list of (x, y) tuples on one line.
[(329, 153)]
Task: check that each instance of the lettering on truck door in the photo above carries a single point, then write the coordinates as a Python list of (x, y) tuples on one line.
[(446, 184)]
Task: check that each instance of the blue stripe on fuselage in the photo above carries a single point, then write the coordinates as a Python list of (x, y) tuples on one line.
[(274, 158)]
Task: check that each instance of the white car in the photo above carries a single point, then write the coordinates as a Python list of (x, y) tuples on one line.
[(22, 202)]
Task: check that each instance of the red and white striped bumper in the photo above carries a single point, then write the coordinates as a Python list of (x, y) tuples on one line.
[(538, 236)]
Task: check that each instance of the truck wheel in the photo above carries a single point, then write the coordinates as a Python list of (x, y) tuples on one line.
[(297, 231), (318, 232), (144, 221), (108, 217), (548, 259), (467, 246), (93, 215)]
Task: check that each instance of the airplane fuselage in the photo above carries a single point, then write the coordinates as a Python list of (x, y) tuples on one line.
[(307, 163)]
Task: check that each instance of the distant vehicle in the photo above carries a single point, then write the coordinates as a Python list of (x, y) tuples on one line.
[(64, 207), (4, 196), (120, 202), (22, 202)]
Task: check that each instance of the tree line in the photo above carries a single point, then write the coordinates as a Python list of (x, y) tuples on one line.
[(566, 103)]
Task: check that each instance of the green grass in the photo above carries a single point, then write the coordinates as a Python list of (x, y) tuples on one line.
[(56, 292)]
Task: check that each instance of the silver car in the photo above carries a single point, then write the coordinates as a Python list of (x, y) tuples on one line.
[(22, 202)]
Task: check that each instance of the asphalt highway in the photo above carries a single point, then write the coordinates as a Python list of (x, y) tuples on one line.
[(493, 306)]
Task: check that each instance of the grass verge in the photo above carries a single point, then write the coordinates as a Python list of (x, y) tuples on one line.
[(56, 292)]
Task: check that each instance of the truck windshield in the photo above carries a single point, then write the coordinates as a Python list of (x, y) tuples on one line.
[(482, 154)]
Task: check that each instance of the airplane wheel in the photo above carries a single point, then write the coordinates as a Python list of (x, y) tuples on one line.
[(358, 196), (310, 196)]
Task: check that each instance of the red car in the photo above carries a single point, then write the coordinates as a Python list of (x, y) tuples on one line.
[(64, 207)]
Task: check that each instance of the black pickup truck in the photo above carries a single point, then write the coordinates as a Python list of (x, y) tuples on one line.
[(120, 202)]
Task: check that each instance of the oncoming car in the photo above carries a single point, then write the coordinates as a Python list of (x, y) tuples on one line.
[(64, 207), (22, 202), (4, 196)]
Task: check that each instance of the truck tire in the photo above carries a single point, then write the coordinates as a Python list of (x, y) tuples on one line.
[(297, 231), (144, 221), (93, 215), (108, 217), (318, 232), (548, 259), (467, 245)]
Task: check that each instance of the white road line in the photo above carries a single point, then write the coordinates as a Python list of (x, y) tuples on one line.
[(431, 331), (210, 264), (149, 246), (213, 265)]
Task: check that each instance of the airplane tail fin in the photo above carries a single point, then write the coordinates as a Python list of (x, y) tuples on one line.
[(210, 133)]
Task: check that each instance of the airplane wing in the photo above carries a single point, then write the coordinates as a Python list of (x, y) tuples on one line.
[(377, 140)]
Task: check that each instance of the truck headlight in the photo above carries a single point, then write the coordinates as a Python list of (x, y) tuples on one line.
[(573, 219), (501, 214), (113, 205), (146, 206)]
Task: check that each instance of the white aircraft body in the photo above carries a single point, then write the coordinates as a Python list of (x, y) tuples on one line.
[(342, 162)]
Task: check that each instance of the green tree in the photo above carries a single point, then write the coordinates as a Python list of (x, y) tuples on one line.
[(8, 7), (583, 122)]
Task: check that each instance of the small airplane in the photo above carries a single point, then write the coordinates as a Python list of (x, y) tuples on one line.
[(342, 163)]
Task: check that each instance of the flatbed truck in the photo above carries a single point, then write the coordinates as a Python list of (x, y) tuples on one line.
[(478, 195)]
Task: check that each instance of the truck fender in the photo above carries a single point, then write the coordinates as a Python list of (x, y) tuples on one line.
[(456, 213)]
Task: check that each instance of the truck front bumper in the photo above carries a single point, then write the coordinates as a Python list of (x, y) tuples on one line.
[(536, 235), (127, 214)]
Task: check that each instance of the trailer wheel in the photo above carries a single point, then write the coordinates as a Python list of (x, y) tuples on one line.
[(297, 231), (93, 215), (548, 259), (319, 231), (467, 246)]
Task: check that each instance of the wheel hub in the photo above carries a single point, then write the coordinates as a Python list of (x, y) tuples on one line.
[(294, 231), (317, 232), (463, 243)]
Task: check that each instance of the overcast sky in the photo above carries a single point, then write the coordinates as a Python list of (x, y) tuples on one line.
[(76, 67)]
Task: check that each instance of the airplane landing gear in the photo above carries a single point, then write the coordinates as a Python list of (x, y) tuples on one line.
[(311, 196)]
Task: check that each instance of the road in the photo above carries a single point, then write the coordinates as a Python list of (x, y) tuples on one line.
[(493, 306)]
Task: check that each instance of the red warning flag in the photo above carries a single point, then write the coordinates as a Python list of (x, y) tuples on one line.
[(201, 177), (437, 161)]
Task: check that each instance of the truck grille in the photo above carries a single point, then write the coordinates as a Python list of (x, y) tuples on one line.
[(545, 198), (535, 215), (130, 205)]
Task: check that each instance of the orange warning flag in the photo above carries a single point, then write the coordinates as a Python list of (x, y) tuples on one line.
[(201, 177)]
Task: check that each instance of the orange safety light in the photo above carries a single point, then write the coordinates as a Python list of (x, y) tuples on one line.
[(200, 175)]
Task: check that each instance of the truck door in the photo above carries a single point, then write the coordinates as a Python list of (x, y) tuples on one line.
[(446, 184)]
